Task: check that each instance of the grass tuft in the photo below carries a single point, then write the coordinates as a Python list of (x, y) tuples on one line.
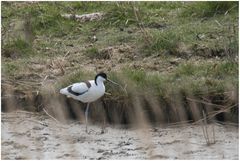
[(92, 52), (162, 41), (209, 9), (10, 68), (17, 48), (121, 14)]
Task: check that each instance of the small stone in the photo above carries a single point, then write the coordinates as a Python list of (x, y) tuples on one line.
[(101, 158), (100, 151), (37, 128)]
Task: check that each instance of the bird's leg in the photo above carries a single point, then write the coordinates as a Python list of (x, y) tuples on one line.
[(103, 126), (86, 116)]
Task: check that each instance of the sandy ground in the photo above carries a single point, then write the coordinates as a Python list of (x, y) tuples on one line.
[(28, 135)]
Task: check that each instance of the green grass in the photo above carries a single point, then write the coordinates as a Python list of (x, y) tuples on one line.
[(92, 52), (165, 40), (187, 34), (209, 9), (120, 15), (46, 19), (17, 48), (181, 27), (10, 68), (74, 77), (15, 68), (188, 79)]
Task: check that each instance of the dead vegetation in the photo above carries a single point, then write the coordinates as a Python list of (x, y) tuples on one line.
[(84, 17)]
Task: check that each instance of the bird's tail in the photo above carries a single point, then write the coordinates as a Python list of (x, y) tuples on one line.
[(64, 91)]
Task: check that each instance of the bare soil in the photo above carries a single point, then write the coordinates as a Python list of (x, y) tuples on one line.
[(27, 135)]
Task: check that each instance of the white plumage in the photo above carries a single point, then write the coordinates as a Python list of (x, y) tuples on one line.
[(88, 91), (86, 94)]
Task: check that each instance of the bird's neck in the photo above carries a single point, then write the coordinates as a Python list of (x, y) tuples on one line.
[(99, 82)]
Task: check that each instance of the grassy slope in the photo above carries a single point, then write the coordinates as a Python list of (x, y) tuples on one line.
[(165, 47)]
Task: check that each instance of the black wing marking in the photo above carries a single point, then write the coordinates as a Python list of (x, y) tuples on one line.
[(88, 84), (69, 89)]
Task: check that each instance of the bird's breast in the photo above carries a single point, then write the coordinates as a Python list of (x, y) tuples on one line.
[(94, 93), (99, 90)]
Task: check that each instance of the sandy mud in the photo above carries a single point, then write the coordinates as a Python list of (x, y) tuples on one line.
[(27, 135)]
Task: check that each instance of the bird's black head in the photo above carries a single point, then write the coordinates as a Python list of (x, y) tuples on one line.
[(102, 75)]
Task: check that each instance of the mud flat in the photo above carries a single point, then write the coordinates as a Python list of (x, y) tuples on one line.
[(27, 135)]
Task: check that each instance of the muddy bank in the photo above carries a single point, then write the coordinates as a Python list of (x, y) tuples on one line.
[(123, 109), (27, 135)]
